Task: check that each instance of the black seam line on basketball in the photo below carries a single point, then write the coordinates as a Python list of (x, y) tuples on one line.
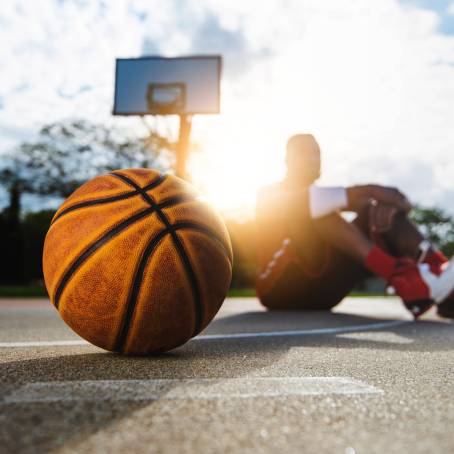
[(138, 277), (171, 201), (135, 289), (166, 203), (207, 231), (95, 202), (181, 199), (199, 312), (94, 247), (180, 249), (114, 198)]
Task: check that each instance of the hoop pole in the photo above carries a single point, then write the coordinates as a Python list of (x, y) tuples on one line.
[(182, 150)]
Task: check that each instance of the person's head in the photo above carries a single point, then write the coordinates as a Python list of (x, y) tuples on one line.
[(303, 159)]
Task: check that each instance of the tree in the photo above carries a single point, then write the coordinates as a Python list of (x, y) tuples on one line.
[(437, 226), (34, 226), (11, 238), (67, 154), (64, 156)]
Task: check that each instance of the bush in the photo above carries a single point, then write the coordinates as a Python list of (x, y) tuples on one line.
[(34, 229)]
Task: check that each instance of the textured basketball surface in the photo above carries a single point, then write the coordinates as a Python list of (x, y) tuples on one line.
[(136, 262)]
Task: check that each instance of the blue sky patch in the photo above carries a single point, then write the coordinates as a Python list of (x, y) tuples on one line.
[(444, 9)]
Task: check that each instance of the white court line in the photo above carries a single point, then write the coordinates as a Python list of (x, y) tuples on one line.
[(58, 343), (303, 332), (193, 388)]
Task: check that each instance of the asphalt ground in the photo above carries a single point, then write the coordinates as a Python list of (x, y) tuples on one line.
[(364, 379)]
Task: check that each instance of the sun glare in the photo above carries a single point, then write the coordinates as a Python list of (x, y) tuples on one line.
[(234, 165)]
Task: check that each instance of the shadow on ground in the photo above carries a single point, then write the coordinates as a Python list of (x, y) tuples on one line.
[(43, 427)]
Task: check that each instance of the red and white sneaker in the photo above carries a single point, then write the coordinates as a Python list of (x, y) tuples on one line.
[(438, 263), (419, 287)]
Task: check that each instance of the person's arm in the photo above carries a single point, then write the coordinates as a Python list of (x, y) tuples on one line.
[(316, 202), (361, 196)]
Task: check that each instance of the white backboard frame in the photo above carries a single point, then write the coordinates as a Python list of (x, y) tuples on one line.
[(200, 73)]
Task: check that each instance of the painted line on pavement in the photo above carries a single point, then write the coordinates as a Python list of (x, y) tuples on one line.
[(57, 343), (288, 333), (305, 332), (194, 388)]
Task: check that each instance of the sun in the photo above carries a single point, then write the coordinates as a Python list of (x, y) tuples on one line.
[(230, 170)]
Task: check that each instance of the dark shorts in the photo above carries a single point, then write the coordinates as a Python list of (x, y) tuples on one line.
[(315, 277)]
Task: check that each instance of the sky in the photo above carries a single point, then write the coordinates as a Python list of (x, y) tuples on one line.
[(372, 80)]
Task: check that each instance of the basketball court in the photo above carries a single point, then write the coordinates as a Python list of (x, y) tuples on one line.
[(365, 378), (138, 263)]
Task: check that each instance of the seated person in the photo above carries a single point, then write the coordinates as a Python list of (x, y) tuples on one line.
[(311, 257)]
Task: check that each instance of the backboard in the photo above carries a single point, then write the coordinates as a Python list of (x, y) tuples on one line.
[(167, 86)]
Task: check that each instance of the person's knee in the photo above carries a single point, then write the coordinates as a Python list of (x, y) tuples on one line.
[(379, 220)]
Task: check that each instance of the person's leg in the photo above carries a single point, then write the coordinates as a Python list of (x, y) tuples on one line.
[(398, 236), (356, 252), (418, 287), (401, 238), (405, 240), (345, 236), (308, 273)]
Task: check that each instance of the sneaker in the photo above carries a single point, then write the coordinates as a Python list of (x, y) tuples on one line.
[(419, 287), (438, 262)]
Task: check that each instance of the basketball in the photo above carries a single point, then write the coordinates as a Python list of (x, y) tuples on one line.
[(137, 262)]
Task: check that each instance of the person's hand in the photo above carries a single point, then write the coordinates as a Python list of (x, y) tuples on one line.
[(361, 196)]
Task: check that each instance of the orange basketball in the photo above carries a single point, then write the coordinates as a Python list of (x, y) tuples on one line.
[(136, 262)]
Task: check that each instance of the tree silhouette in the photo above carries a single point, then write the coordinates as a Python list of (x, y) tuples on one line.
[(67, 154), (437, 226), (64, 156)]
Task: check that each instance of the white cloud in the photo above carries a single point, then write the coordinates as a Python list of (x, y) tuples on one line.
[(450, 9), (373, 80), (375, 83)]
